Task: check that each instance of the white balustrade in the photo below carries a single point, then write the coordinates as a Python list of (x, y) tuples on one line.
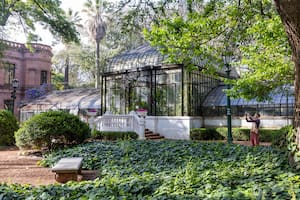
[(122, 123)]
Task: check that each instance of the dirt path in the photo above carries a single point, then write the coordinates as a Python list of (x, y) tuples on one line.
[(24, 169)]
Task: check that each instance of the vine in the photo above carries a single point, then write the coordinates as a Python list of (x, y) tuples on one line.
[(294, 153)]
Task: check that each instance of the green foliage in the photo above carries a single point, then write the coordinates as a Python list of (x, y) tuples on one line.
[(292, 147), (48, 13), (250, 31), (48, 128), (8, 125), (281, 140), (111, 135), (79, 58), (172, 170), (205, 134), (57, 80), (268, 61), (238, 134)]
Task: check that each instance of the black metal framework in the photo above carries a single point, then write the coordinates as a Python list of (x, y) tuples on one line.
[(167, 90), (141, 78), (167, 95), (281, 104), (199, 86)]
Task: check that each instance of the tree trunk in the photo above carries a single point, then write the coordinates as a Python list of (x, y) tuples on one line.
[(97, 85), (66, 78), (289, 11)]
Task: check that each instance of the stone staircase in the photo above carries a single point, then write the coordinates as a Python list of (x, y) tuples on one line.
[(150, 135)]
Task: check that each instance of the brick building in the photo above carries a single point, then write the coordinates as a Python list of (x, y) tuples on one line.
[(30, 66)]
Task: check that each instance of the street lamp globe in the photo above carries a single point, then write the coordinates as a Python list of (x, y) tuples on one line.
[(15, 83)]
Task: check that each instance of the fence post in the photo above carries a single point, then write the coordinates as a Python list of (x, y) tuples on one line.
[(142, 128)]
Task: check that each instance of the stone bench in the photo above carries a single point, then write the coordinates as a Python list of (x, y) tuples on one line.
[(67, 169)]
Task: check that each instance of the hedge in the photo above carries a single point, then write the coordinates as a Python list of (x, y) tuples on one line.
[(113, 135), (238, 134), (50, 128), (8, 125)]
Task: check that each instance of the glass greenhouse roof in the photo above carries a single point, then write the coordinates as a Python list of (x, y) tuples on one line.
[(72, 99), (217, 97), (140, 57), (145, 56)]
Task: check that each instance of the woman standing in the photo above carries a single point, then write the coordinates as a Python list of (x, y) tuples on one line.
[(254, 132)]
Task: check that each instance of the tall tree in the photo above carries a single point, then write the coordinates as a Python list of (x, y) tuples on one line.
[(75, 19), (80, 59), (132, 16), (251, 29), (289, 13), (97, 29), (258, 37)]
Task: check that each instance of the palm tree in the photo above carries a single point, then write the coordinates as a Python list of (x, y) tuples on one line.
[(74, 18), (97, 30)]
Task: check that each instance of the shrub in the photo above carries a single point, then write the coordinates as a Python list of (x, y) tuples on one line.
[(268, 135), (238, 134), (8, 125), (113, 135), (205, 134), (280, 140), (49, 128)]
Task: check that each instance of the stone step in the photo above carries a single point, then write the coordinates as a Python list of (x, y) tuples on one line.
[(155, 137), (150, 135), (148, 132)]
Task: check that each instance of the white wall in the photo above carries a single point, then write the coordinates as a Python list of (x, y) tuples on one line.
[(266, 122), (179, 127), (170, 127)]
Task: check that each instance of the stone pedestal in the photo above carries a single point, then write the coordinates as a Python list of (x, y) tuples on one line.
[(65, 177)]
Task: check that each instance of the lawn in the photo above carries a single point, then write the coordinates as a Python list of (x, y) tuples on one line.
[(171, 170)]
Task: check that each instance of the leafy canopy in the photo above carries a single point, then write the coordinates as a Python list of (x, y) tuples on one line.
[(47, 13), (251, 31)]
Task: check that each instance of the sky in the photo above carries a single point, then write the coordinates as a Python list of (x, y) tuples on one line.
[(46, 36), (74, 5)]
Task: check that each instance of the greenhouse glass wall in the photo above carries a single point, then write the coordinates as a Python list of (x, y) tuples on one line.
[(280, 104), (141, 78)]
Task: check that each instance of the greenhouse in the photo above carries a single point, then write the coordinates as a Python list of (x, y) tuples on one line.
[(281, 104), (141, 78), (82, 102)]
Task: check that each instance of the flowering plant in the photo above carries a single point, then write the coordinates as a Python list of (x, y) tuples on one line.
[(142, 112), (37, 92)]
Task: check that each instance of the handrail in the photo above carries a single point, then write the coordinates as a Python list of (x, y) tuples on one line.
[(130, 122)]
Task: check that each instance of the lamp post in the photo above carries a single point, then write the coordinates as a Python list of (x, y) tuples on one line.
[(15, 85), (227, 59)]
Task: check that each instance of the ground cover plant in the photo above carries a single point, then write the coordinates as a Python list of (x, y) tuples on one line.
[(171, 170)]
